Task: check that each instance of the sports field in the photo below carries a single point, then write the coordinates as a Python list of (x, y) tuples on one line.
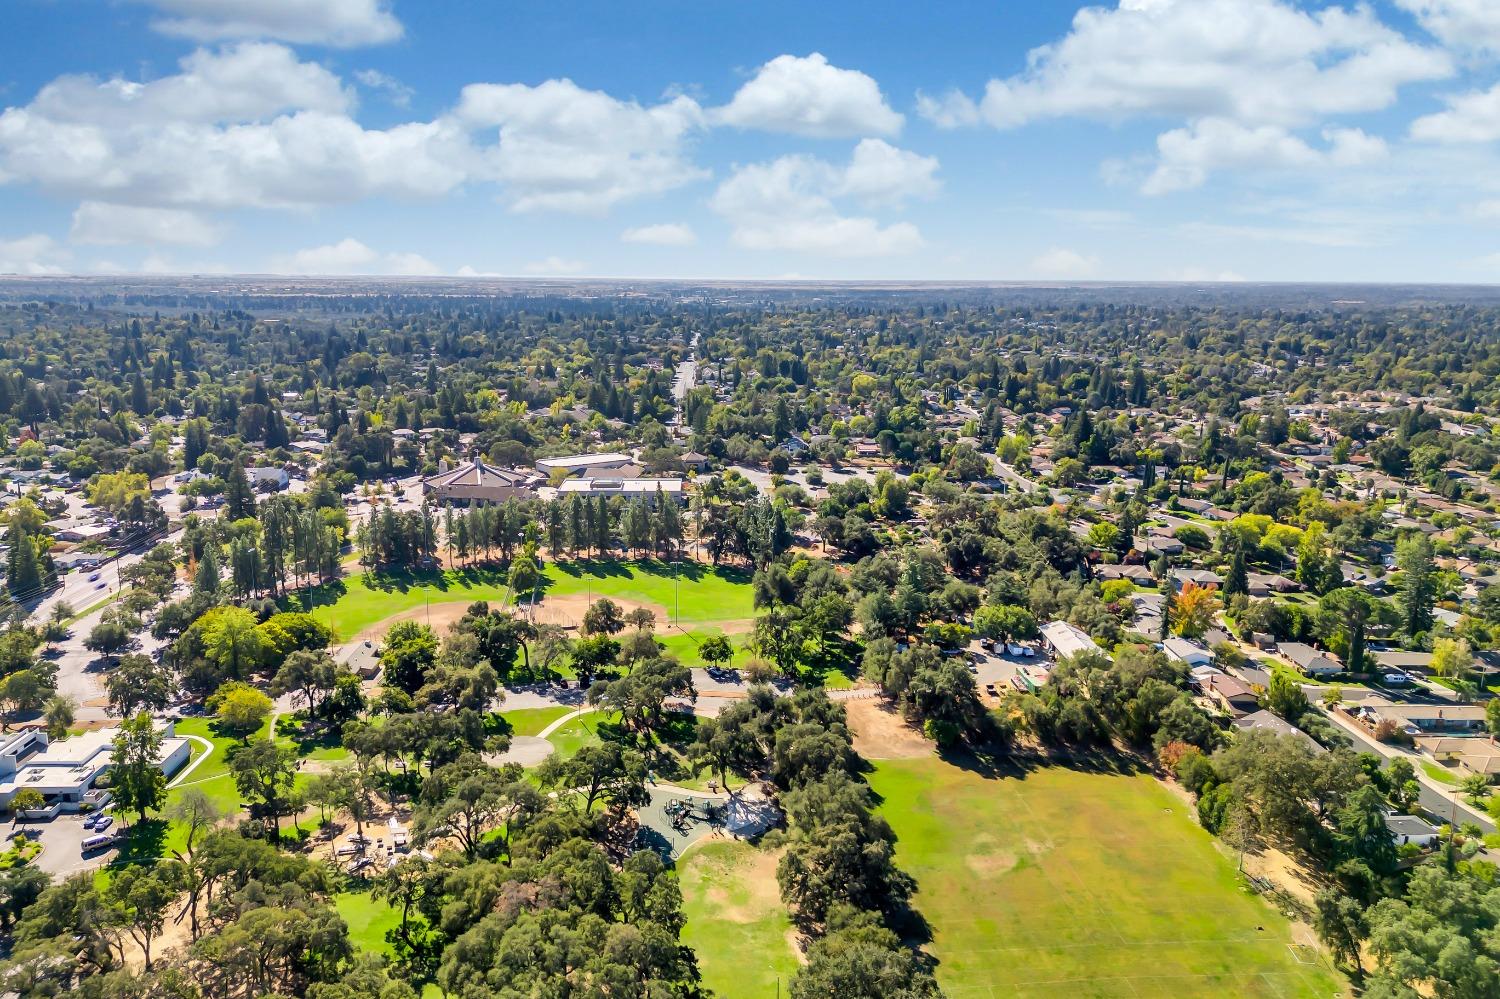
[(1067, 883), (690, 593), (736, 922)]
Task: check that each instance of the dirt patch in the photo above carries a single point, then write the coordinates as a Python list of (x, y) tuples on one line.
[(757, 874), (440, 616), (880, 733), (567, 610), (527, 750)]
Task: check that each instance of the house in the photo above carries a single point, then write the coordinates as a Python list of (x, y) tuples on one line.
[(1261, 584), (1160, 543), (79, 531), (794, 446), (1271, 722), (1231, 695), (1400, 661), (1194, 505), (268, 479), (1410, 829), (1138, 574), (362, 658), (1309, 660), (1420, 719), (64, 772), (1477, 756), (611, 464), (1185, 650), (693, 461), (78, 560), (1064, 639), (1198, 577), (648, 489), (478, 482)]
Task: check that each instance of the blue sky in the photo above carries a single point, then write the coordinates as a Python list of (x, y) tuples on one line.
[(1130, 140)]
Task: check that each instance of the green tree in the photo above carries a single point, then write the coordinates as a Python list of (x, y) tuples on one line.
[(1416, 591), (241, 709), (266, 773), (409, 653), (135, 775), (1284, 694)]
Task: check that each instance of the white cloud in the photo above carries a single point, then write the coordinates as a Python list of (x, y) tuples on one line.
[(100, 224), (350, 256), (788, 203), (880, 174), (339, 23), (1188, 155), (1061, 263), (568, 149), (1471, 25), (1471, 117), (248, 126), (33, 255), (810, 97), (398, 93), (1253, 61), (554, 266), (1243, 75), (662, 234)]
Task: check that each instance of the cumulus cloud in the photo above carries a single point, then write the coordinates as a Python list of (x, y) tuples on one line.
[(100, 224), (338, 23), (1188, 155), (808, 96), (789, 203), (564, 148), (1061, 263), (1470, 117), (663, 234), (1243, 75), (1254, 61), (1471, 25), (246, 126), (34, 254), (350, 256)]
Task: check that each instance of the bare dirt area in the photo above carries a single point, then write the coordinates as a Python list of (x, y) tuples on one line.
[(761, 893), (567, 610), (880, 733)]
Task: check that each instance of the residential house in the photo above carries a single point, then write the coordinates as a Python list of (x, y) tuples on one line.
[(1271, 722), (1185, 650), (1232, 695), (1309, 660), (268, 479), (1410, 829), (1420, 719), (1198, 577)]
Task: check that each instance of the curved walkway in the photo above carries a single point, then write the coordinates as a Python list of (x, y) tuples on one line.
[(208, 750), (559, 723)]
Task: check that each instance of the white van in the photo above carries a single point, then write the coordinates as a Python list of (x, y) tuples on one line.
[(93, 843)]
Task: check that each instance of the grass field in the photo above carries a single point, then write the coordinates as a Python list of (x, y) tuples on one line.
[(1080, 884), (701, 594), (736, 922), (368, 919)]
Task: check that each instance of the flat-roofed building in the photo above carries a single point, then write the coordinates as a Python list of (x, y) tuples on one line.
[(1065, 639), (648, 489), (64, 772)]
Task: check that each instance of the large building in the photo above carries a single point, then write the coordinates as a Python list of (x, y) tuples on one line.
[(648, 489), (1065, 639), (64, 772), (590, 466), (476, 482)]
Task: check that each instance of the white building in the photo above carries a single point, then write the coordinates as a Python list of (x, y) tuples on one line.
[(1185, 650), (64, 772), (1065, 639), (629, 488)]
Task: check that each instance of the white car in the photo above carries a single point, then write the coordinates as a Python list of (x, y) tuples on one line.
[(1396, 679)]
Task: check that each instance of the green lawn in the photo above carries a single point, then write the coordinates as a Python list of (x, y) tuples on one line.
[(703, 595), (1438, 772), (580, 732), (531, 721), (736, 922), (368, 919), (1073, 883)]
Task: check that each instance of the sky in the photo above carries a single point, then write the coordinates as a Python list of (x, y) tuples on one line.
[(1141, 140)]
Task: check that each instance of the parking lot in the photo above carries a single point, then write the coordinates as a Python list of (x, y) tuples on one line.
[(999, 667), (62, 845)]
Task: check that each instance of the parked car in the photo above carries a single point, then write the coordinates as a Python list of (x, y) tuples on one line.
[(104, 822), (1396, 679), (92, 819)]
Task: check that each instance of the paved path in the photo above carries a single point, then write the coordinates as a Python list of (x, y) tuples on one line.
[(208, 750)]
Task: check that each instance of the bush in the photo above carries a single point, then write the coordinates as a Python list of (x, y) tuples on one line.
[(1392, 732), (945, 733)]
